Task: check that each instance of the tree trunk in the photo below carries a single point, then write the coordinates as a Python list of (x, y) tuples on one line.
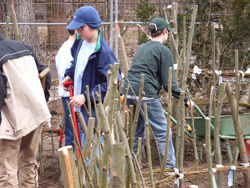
[(25, 13), (56, 14)]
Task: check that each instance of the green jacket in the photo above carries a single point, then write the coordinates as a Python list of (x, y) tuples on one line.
[(152, 59)]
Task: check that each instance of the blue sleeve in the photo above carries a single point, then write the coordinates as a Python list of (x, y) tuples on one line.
[(105, 59)]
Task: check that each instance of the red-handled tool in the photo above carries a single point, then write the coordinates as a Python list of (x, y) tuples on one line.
[(69, 85), (248, 148)]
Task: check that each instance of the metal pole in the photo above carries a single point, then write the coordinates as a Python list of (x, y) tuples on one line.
[(103, 23), (111, 24), (116, 34)]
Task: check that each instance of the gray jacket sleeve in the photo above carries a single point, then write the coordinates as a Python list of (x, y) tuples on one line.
[(3, 90)]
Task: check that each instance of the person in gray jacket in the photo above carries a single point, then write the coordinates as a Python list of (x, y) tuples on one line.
[(23, 111)]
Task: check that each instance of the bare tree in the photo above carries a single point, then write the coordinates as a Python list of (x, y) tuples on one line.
[(24, 14), (56, 14)]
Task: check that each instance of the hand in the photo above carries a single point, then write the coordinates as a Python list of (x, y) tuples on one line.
[(77, 101), (66, 79), (190, 105)]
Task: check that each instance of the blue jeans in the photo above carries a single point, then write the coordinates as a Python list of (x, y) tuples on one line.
[(83, 136), (158, 123), (69, 134), (83, 139)]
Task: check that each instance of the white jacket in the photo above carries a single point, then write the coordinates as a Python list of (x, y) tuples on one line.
[(63, 61), (25, 107)]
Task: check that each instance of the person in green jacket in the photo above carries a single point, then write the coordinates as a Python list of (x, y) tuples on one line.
[(153, 59)]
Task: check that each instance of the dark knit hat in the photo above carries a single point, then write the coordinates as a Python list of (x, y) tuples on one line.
[(85, 15), (161, 24)]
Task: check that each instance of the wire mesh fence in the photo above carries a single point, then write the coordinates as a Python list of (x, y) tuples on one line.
[(48, 25)]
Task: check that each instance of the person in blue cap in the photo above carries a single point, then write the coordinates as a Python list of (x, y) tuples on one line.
[(91, 58), (153, 59)]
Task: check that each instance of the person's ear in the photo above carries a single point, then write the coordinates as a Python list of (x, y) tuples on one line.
[(165, 31)]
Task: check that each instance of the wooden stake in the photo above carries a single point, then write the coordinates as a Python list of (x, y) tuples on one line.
[(138, 157), (68, 167), (118, 166), (7, 27), (14, 20), (105, 166), (208, 152), (168, 123), (218, 157), (214, 68), (189, 47), (148, 146), (123, 55), (238, 131), (138, 107), (127, 149)]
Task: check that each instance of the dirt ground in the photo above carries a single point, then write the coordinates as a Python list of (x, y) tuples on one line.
[(51, 174)]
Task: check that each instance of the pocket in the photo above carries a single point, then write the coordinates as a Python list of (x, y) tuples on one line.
[(153, 104)]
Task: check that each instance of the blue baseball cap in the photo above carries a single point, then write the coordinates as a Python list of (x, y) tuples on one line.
[(85, 15)]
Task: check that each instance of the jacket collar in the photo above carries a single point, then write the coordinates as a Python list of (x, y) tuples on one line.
[(98, 43)]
